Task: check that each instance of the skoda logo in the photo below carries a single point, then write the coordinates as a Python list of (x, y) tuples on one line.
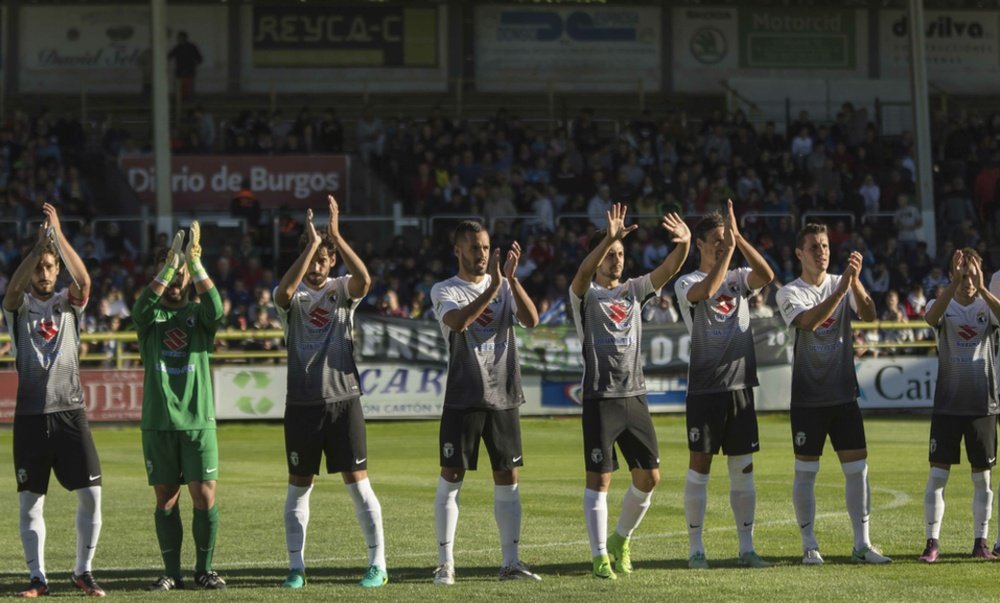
[(708, 46)]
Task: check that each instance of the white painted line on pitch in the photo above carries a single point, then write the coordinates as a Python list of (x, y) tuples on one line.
[(899, 498)]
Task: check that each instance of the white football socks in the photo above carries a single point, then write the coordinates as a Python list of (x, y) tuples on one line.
[(88, 527), (982, 504), (33, 532), (296, 522), (595, 512), (742, 498), (857, 494), (446, 519), (695, 503), (507, 511), (804, 501), (634, 507), (368, 511), (934, 501)]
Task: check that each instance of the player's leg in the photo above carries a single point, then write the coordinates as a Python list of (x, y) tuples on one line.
[(78, 468), (161, 453), (981, 448), (809, 430), (642, 453), (944, 451), (347, 453), (458, 444), (847, 435), (705, 424), (601, 426), (502, 437), (741, 441), (200, 467), (32, 467), (303, 430)]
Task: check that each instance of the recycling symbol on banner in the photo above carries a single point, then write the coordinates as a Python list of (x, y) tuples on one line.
[(251, 384)]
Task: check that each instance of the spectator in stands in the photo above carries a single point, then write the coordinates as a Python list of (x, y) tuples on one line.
[(871, 194), (599, 206), (759, 308), (186, 58), (661, 310), (895, 312), (371, 136)]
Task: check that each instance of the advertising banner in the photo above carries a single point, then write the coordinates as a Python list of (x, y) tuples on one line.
[(585, 48), (712, 44), (962, 49), (343, 47), (897, 382), (108, 395), (347, 36), (210, 181), (105, 48)]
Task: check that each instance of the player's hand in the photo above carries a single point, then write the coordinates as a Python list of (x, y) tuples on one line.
[(312, 237), (731, 219), (676, 226), (175, 256), (853, 270), (194, 242), (52, 217), (975, 269), (958, 262), (510, 265), (616, 222), (333, 226), (493, 268)]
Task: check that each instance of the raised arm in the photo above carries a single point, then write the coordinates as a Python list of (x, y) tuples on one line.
[(80, 289), (360, 281), (863, 301), (706, 287), (672, 264), (459, 319), (175, 259), (202, 282), (616, 232), (761, 273), (812, 318), (21, 279), (297, 271), (527, 314)]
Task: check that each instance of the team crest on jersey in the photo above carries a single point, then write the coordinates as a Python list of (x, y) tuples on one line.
[(332, 297), (800, 438), (695, 434), (725, 305), (293, 458), (981, 318), (933, 445), (22, 476), (448, 450), (597, 455), (190, 321), (967, 332), (47, 329), (175, 339)]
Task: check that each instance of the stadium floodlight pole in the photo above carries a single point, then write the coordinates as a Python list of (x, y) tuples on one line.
[(921, 121), (161, 115)]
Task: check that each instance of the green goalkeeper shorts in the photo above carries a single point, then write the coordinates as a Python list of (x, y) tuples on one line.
[(179, 457)]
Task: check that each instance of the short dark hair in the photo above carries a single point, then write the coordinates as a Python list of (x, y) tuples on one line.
[(967, 253), (707, 224), (809, 229), (324, 243), (465, 227)]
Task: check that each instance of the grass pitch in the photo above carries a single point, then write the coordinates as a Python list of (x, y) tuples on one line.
[(251, 556)]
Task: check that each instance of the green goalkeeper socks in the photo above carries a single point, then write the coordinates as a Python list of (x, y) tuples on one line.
[(170, 534), (205, 526)]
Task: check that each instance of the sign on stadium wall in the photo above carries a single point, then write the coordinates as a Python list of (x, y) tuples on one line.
[(714, 43), (295, 47), (108, 395), (98, 48), (962, 49), (897, 382), (584, 48), (210, 181)]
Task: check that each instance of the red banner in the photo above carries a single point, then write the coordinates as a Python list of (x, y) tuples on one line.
[(211, 181), (109, 395)]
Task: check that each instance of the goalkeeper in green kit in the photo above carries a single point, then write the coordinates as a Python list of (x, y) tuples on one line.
[(176, 338)]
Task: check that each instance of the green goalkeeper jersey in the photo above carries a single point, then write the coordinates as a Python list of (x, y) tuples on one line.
[(175, 346)]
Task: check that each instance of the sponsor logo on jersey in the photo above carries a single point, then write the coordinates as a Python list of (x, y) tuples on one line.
[(967, 332), (175, 339), (319, 318), (486, 317), (597, 455), (47, 329), (725, 305), (828, 323)]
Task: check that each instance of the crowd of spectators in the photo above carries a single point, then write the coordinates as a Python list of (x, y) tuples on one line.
[(549, 188)]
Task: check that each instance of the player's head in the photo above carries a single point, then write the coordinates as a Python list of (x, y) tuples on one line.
[(709, 233), (968, 285), (472, 247), (812, 247), (176, 291), (612, 266), (43, 277), (322, 261)]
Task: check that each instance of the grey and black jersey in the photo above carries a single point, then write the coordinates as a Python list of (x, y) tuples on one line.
[(45, 342), (722, 350), (823, 368), (483, 365), (318, 328), (609, 324), (966, 343)]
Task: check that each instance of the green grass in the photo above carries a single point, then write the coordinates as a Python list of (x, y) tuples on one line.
[(403, 464)]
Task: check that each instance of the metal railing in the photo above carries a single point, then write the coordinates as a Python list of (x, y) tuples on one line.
[(828, 214)]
